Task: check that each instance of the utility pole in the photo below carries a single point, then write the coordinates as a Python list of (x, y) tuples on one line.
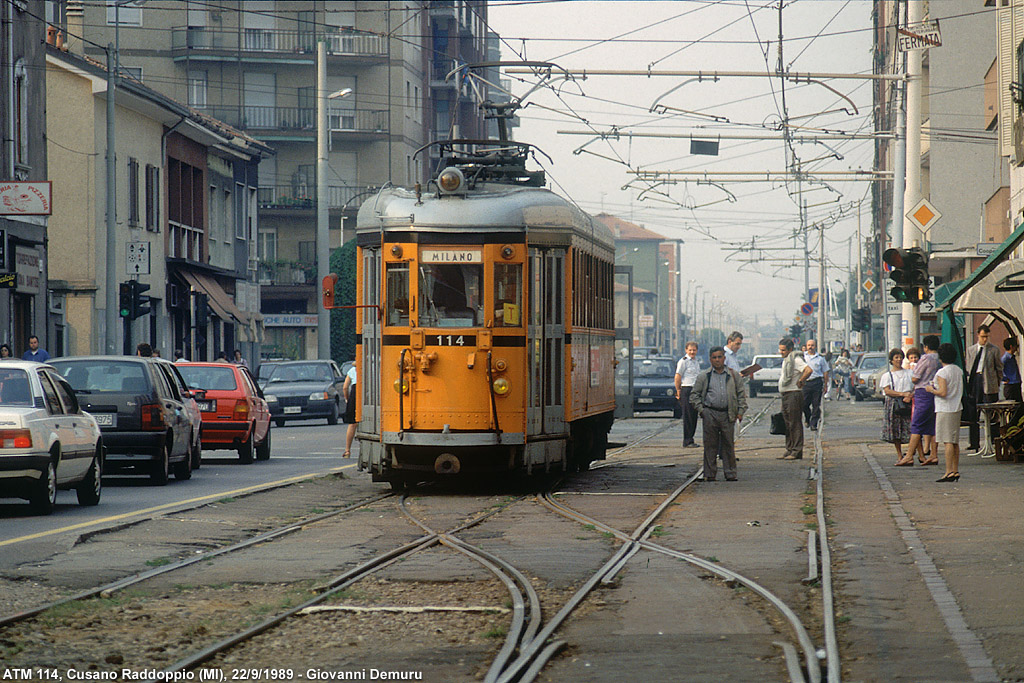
[(323, 251), (912, 191), (110, 283), (822, 344)]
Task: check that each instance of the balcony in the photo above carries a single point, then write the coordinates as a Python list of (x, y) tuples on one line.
[(287, 273), (185, 242), (303, 197), (214, 44), (354, 124)]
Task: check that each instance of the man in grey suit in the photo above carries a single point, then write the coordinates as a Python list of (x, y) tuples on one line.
[(720, 400), (985, 371)]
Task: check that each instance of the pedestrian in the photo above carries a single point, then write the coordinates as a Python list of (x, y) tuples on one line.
[(222, 357), (791, 382), (143, 349), (349, 418), (815, 384), (986, 370), (898, 389), (842, 369), (686, 374), (1011, 371), (239, 360), (922, 422), (948, 389), (179, 357), (5, 351), (34, 352), (156, 352), (732, 348), (719, 399)]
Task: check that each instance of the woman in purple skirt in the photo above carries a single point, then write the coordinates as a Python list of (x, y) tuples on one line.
[(922, 424)]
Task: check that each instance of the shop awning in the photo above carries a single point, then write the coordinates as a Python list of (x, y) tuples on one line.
[(220, 301), (987, 266), (1000, 294)]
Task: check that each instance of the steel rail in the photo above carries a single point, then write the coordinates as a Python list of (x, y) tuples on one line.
[(122, 583), (832, 658)]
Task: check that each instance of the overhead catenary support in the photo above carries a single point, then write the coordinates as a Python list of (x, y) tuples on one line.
[(793, 76), (704, 133)]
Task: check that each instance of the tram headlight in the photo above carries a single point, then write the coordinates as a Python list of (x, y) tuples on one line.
[(501, 386), (450, 181), (401, 387)]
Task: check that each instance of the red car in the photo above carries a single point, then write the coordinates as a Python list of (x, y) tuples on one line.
[(235, 415)]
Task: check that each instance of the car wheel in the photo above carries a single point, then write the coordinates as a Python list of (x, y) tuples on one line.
[(245, 450), (161, 472), (196, 454), (279, 422), (263, 450), (857, 396), (183, 469), (44, 491), (753, 391), (92, 486), (332, 419)]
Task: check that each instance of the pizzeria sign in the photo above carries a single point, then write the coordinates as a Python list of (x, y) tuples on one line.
[(25, 199)]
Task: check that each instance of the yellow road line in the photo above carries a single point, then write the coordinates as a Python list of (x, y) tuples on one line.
[(224, 494)]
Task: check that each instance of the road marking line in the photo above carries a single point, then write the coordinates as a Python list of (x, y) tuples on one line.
[(166, 506)]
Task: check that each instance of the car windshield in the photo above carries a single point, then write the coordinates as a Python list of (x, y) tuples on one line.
[(14, 388), (769, 362), (302, 372), (873, 362), (103, 376), (654, 368), (266, 370), (211, 379)]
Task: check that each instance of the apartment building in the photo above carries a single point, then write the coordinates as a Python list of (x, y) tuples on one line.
[(24, 304), (252, 65)]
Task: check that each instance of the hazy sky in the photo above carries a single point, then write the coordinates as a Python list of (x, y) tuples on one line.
[(728, 35)]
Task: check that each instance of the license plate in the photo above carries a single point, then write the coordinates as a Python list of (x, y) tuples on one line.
[(645, 400), (207, 406), (105, 419), (292, 410)]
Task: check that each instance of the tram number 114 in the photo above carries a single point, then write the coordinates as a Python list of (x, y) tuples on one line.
[(455, 340)]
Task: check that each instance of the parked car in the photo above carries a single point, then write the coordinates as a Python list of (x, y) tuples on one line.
[(188, 398), (145, 424), (264, 370), (234, 412), (767, 378), (47, 442), (304, 389), (868, 364), (654, 385)]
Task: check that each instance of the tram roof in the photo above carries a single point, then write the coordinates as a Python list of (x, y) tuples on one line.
[(489, 208)]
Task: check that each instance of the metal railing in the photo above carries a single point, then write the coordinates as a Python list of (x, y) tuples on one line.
[(286, 273), (303, 196), (269, 41), (186, 242), (257, 117)]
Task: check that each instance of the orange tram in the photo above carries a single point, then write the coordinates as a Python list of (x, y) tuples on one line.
[(485, 334)]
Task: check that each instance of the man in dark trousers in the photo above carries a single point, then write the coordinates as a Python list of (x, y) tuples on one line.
[(686, 374), (985, 371), (720, 400)]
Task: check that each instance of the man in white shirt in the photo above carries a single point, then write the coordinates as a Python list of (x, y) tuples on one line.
[(732, 348), (815, 384), (686, 373), (791, 381)]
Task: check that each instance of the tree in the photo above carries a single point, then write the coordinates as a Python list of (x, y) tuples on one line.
[(343, 320), (709, 337)]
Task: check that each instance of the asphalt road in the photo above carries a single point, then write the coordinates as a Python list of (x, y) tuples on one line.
[(300, 449)]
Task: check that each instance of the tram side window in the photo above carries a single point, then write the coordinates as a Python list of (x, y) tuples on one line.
[(398, 293), (508, 295), (450, 295)]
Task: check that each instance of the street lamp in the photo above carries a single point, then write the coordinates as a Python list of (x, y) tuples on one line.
[(323, 244)]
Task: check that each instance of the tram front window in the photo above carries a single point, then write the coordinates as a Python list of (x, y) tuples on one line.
[(398, 294), (508, 294), (450, 295)]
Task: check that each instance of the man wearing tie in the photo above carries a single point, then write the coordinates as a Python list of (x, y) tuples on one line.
[(985, 369)]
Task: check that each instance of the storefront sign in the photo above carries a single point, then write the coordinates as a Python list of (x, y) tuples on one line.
[(25, 199), (290, 320), (7, 280), (27, 266)]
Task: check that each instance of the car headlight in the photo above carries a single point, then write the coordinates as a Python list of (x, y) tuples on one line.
[(319, 396), (270, 398), (670, 392)]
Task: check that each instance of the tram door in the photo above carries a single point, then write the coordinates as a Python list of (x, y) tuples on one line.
[(545, 413), (368, 381), (624, 342)]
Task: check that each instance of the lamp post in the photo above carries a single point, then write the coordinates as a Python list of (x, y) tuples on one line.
[(323, 245)]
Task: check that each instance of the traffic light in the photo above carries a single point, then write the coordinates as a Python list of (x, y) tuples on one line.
[(909, 273), (124, 299), (328, 290), (795, 331), (140, 300), (861, 319), (202, 310)]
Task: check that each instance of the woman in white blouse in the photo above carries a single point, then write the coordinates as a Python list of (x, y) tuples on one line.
[(898, 388)]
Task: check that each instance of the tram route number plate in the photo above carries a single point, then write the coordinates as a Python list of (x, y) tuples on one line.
[(450, 339)]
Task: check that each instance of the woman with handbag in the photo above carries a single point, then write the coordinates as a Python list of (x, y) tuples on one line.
[(898, 388)]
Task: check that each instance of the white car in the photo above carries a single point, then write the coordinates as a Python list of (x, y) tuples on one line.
[(767, 378), (47, 442)]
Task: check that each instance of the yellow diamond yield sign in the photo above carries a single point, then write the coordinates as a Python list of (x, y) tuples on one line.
[(924, 215), (869, 285)]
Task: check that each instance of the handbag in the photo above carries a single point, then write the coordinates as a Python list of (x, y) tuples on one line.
[(778, 424), (903, 409)]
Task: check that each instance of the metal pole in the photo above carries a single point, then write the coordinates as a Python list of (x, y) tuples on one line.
[(912, 192), (822, 344), (111, 266), (323, 250)]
